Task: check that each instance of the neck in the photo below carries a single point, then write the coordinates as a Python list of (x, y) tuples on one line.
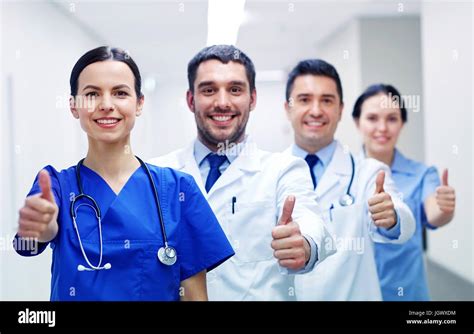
[(312, 147), (385, 157), (221, 146), (111, 160)]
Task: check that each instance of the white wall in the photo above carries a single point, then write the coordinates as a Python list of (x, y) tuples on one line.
[(342, 49), (268, 124), (391, 53), (37, 128), (372, 50), (447, 41)]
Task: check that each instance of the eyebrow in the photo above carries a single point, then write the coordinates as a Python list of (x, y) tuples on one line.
[(303, 95), (310, 95), (329, 95), (233, 83), (113, 88)]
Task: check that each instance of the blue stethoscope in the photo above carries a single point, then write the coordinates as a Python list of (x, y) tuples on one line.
[(166, 254), (347, 199)]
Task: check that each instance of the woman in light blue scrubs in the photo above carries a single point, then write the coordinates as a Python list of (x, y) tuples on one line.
[(380, 115), (115, 248)]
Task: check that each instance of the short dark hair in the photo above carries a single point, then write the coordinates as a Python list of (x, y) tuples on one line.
[(223, 53), (376, 89), (103, 53), (313, 67)]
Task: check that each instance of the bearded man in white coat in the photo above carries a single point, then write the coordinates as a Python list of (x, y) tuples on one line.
[(264, 202), (358, 197)]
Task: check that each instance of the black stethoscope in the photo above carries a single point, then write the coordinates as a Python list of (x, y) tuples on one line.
[(167, 254), (347, 199)]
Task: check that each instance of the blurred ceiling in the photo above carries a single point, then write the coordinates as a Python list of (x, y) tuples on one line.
[(162, 36)]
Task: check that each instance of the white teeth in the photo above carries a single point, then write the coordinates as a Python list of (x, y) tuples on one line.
[(221, 118), (107, 121), (314, 123)]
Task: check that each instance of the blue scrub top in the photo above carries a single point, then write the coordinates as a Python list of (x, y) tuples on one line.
[(131, 236), (401, 267)]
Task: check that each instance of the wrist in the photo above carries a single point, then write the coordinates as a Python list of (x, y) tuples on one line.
[(307, 251)]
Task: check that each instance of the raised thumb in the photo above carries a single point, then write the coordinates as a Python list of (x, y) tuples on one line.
[(287, 210), (445, 177), (45, 185), (379, 181)]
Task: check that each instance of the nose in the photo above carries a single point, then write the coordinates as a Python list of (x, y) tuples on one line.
[(382, 126), (315, 110), (106, 103), (222, 101)]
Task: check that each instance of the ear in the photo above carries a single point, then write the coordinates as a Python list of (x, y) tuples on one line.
[(190, 100), (287, 109), (72, 107), (341, 109), (140, 103), (253, 99)]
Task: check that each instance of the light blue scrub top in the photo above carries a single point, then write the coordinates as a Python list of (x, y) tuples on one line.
[(132, 236), (400, 267)]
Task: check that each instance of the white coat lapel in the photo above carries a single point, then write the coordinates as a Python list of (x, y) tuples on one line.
[(187, 164), (248, 161), (338, 167)]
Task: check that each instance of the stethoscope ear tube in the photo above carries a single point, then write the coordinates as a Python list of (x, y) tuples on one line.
[(347, 199), (167, 254)]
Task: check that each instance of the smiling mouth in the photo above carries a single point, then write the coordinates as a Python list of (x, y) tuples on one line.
[(107, 122), (315, 123), (222, 118), (382, 139)]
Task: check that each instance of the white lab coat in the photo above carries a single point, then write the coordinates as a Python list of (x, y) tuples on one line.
[(260, 181), (351, 273)]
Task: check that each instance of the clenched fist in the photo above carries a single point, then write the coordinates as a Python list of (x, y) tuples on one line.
[(445, 196), (38, 217), (381, 205), (291, 249)]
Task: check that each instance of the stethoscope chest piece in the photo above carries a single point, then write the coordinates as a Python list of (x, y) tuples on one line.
[(346, 200), (167, 255)]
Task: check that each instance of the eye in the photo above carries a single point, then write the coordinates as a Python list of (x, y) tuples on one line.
[(92, 94), (235, 90), (327, 101), (207, 90), (372, 118), (393, 119), (121, 93), (303, 100)]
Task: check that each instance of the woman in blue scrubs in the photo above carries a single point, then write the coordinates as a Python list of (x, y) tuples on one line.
[(380, 115), (109, 251)]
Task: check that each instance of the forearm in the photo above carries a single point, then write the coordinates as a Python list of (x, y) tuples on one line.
[(194, 288)]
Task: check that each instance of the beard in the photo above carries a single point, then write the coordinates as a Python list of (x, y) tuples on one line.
[(211, 138)]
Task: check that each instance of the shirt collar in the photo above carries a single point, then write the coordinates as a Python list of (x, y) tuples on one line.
[(325, 154), (201, 151), (399, 164)]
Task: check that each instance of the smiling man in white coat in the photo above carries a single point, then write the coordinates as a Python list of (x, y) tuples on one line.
[(264, 202), (359, 200)]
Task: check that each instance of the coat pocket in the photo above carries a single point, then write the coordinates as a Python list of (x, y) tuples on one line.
[(250, 231)]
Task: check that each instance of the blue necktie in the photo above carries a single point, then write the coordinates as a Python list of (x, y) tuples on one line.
[(215, 161), (312, 160)]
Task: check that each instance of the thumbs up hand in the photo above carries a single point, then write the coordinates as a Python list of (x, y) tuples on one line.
[(445, 195), (381, 205), (38, 217), (291, 249)]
